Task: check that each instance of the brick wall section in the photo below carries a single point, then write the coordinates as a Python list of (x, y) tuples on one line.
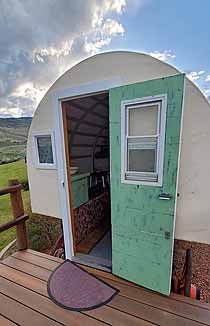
[(89, 215)]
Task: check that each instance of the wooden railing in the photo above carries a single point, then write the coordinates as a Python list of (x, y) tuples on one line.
[(14, 189)]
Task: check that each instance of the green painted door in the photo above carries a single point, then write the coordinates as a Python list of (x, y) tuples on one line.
[(142, 222)]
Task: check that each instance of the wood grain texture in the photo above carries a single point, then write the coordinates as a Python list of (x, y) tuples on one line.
[(23, 315), (18, 212), (6, 322), (36, 260), (44, 306), (10, 224), (109, 276), (132, 306), (142, 224), (26, 267), (10, 190), (96, 317)]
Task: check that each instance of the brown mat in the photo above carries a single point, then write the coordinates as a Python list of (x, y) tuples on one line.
[(72, 288)]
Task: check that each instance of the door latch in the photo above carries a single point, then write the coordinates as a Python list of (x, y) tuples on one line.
[(165, 196)]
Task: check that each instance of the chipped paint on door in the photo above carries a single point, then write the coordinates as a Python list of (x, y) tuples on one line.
[(143, 224)]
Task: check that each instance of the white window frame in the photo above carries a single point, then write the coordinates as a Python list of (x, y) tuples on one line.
[(141, 178), (39, 165), (57, 98)]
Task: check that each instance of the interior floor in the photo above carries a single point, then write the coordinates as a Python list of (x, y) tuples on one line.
[(100, 256), (103, 248), (92, 239)]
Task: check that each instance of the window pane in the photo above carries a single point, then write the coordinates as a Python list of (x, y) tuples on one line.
[(142, 160), (142, 154), (45, 149), (143, 120)]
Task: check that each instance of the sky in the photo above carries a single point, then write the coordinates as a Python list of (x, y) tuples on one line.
[(40, 40)]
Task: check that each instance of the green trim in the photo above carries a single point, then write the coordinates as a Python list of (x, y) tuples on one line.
[(76, 177)]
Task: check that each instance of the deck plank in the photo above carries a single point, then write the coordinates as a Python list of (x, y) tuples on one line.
[(118, 318), (173, 296), (26, 267), (136, 293), (142, 297), (133, 299), (44, 305), (36, 260), (23, 279), (23, 315), (100, 273), (41, 254), (23, 284), (150, 313), (164, 303), (6, 322), (39, 287)]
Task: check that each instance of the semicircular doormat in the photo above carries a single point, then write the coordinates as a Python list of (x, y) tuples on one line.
[(71, 287)]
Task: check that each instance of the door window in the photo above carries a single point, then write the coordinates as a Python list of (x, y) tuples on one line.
[(143, 123)]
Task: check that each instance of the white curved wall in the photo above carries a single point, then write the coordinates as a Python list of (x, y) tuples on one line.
[(193, 205)]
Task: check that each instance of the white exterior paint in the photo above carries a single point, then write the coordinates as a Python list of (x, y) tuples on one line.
[(193, 204)]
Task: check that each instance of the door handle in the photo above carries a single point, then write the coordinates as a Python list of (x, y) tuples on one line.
[(165, 196)]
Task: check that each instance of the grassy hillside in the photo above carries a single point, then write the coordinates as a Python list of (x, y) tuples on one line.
[(13, 138), (15, 170)]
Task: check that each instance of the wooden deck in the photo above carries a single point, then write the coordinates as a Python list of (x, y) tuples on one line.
[(24, 299)]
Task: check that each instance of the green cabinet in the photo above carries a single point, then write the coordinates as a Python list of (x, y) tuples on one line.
[(79, 184)]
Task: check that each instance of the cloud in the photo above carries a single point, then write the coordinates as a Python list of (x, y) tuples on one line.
[(103, 36), (206, 92), (167, 55), (207, 78), (194, 75), (41, 39)]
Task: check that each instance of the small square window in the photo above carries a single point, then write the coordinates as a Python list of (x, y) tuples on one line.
[(143, 134), (44, 150)]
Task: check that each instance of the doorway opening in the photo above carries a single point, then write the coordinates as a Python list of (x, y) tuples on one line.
[(86, 135)]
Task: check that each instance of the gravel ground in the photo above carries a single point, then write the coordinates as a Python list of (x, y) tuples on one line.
[(200, 264)]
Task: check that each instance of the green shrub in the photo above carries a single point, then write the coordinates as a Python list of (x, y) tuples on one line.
[(25, 185)]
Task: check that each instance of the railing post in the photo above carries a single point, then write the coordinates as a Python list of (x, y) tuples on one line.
[(18, 210)]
